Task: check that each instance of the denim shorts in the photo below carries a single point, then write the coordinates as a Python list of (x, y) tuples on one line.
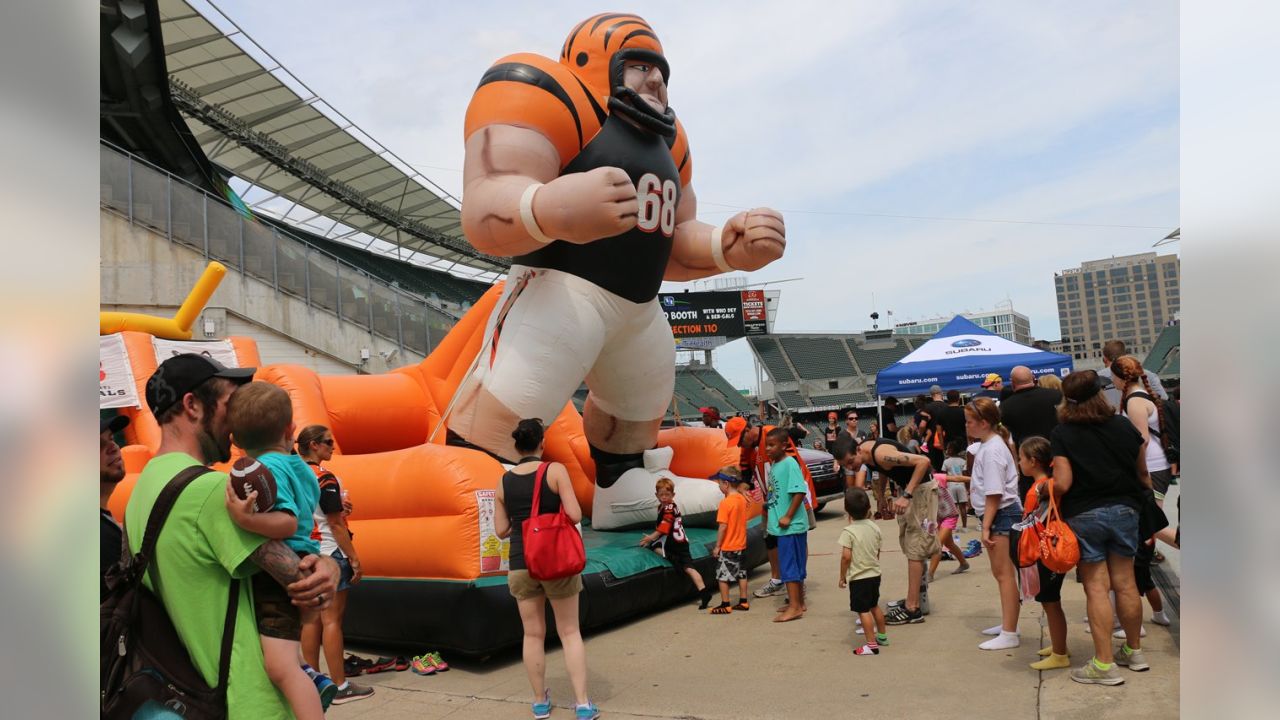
[(1106, 530), (344, 570), (1005, 517)]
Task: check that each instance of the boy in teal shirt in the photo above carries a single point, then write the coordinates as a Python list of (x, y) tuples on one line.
[(787, 521), (260, 416)]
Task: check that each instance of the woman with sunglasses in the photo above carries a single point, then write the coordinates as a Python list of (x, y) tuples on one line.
[(315, 445)]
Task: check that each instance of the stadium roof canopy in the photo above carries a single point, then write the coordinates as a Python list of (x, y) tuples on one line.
[(308, 163)]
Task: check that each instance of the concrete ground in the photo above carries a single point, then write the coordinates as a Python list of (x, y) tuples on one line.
[(681, 663)]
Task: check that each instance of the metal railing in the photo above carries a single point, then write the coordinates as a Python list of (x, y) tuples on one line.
[(153, 198)]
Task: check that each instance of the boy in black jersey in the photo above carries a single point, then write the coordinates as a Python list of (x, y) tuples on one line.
[(669, 535)]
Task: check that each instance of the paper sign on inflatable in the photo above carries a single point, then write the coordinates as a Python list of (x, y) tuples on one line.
[(579, 170)]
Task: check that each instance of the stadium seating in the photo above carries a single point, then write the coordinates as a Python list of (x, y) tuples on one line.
[(771, 355), (842, 399), (873, 361), (817, 358), (715, 381), (791, 399), (1165, 354)]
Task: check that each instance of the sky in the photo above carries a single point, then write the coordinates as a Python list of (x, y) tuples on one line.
[(890, 135)]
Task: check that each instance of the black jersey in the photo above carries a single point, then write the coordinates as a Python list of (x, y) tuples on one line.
[(630, 265)]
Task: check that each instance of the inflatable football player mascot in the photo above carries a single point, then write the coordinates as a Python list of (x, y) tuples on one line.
[(580, 172)]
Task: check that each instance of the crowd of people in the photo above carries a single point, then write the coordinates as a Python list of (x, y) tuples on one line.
[(1105, 467)]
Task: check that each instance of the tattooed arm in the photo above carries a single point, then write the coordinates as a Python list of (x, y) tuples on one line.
[(311, 581)]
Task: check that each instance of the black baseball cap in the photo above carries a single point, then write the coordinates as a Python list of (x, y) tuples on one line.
[(183, 373), (114, 423)]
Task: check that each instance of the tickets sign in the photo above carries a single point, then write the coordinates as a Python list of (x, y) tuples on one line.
[(728, 314)]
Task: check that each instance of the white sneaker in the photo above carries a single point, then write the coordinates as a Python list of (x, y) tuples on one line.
[(1119, 634), (771, 588), (1003, 641)]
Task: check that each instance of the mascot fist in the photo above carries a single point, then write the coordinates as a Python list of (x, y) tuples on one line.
[(754, 238), (587, 206)]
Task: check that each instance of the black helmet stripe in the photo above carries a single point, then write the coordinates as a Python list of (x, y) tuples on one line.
[(638, 33), (614, 16), (537, 77), (622, 23), (566, 53)]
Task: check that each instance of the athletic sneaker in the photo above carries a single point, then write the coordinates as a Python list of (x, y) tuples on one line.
[(352, 692), (900, 615), (1132, 659), (433, 658), (586, 712), (771, 588), (421, 666), (1090, 674), (542, 709)]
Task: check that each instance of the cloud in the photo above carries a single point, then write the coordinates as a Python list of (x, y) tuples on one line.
[(1033, 111)]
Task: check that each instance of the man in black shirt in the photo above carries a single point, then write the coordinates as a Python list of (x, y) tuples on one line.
[(111, 472), (1029, 411), (953, 420), (936, 410), (890, 429)]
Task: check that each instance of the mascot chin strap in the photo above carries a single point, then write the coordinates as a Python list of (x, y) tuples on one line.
[(611, 466), (628, 103)]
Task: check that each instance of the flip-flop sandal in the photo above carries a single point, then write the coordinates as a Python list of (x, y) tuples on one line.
[(721, 610), (742, 606)]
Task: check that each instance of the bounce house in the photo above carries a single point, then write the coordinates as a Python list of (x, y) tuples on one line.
[(435, 571)]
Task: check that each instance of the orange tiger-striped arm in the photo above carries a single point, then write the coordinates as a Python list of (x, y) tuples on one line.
[(528, 119)]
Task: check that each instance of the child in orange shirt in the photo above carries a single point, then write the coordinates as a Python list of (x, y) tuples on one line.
[(731, 540)]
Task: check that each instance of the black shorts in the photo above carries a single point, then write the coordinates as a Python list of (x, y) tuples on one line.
[(276, 614), (677, 553), (1050, 585), (864, 594), (770, 542), (1142, 568)]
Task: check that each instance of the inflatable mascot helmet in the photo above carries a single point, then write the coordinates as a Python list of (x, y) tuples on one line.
[(596, 51)]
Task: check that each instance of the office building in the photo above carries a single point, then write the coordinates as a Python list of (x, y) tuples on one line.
[(1007, 323), (1130, 298)]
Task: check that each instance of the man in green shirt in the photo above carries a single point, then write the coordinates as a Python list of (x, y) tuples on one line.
[(201, 549)]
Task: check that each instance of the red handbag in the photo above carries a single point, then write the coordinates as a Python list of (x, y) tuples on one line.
[(552, 544)]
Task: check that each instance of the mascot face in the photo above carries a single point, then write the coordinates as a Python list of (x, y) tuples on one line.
[(602, 48)]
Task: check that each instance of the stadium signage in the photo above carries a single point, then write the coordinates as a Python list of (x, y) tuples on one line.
[(721, 314)]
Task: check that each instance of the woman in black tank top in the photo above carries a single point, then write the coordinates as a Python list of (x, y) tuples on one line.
[(513, 507)]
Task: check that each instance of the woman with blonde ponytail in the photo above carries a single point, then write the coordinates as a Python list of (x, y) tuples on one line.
[(993, 490)]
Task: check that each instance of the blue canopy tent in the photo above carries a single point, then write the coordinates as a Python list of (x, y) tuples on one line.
[(959, 356)]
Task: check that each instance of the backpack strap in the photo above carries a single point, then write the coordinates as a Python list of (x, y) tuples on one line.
[(1148, 398), (160, 512), (155, 523)]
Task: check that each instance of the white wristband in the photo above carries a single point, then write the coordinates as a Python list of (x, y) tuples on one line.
[(717, 249), (526, 215)]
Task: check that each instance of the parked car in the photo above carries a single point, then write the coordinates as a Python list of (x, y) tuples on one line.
[(827, 483)]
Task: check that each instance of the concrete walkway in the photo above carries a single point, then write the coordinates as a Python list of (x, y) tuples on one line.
[(681, 663)]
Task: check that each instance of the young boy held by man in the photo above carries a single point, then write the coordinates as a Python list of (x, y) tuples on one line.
[(860, 568), (788, 521), (261, 418), (731, 540), (669, 535)]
